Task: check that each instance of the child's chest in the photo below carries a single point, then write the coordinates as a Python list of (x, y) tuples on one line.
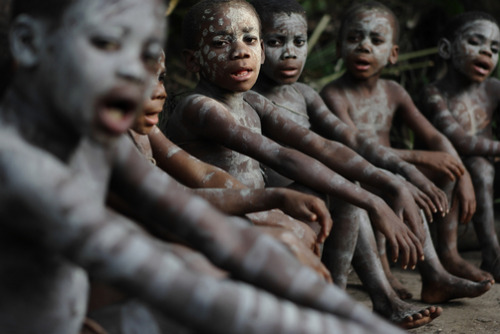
[(292, 105), (246, 116), (371, 114), (472, 111)]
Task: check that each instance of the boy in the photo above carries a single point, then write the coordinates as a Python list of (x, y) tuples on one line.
[(222, 120), (58, 159), (284, 31), (461, 106), (367, 42)]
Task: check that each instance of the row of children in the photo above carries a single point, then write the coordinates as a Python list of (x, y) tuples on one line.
[(112, 58)]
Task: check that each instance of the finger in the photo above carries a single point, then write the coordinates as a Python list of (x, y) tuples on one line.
[(404, 252), (426, 208), (413, 256), (394, 247), (419, 248)]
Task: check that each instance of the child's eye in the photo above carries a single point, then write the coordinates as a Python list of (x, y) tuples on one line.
[(250, 39), (299, 42), (473, 41), (162, 76), (494, 49), (377, 41), (274, 42), (353, 38), (105, 43)]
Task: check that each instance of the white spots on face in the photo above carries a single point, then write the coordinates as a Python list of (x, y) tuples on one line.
[(221, 22), (211, 28), (206, 49), (204, 34)]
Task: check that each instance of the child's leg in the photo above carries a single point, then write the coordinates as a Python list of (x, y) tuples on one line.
[(438, 285), (482, 173), (339, 246), (385, 300), (402, 292), (447, 243)]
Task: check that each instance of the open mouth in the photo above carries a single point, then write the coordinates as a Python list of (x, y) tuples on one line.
[(362, 64), (482, 67), (242, 74), (116, 114)]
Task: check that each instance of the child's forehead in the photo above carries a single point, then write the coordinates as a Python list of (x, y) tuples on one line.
[(483, 27), (372, 18), (285, 21), (234, 13)]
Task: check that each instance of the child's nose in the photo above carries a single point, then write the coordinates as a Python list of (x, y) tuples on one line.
[(289, 52), (159, 92), (240, 50), (132, 69), (363, 45), (486, 51)]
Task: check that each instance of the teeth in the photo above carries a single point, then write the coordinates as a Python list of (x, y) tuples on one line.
[(115, 114)]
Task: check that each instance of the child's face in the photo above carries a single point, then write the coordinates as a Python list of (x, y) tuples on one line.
[(153, 106), (285, 47), (100, 63), (475, 50), (367, 43), (229, 51)]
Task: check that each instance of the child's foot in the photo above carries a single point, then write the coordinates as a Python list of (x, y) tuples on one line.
[(457, 266), (405, 315), (493, 267), (451, 288)]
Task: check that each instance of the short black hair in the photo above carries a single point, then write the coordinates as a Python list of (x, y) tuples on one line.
[(457, 22), (365, 6), (267, 8), (190, 24)]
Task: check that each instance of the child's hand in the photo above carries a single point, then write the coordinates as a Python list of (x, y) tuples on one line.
[(308, 208), (423, 201), (401, 240), (407, 210), (437, 196), (442, 162), (466, 197)]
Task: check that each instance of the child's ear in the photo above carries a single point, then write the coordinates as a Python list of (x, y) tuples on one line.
[(191, 61), (393, 57), (444, 48), (26, 35)]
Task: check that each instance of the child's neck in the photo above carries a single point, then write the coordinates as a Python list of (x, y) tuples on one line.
[(266, 86), (38, 124), (230, 98), (458, 82), (367, 85)]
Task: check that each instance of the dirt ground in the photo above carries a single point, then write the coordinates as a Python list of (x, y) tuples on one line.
[(460, 316)]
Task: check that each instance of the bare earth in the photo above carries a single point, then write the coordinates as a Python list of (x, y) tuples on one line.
[(461, 316)]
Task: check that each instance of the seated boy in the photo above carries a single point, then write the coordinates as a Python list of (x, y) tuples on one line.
[(367, 42), (58, 159), (461, 105), (194, 173), (285, 38)]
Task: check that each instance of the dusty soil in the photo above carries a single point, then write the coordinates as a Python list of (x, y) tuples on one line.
[(460, 316)]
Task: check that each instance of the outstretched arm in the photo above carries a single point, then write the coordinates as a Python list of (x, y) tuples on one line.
[(59, 211), (197, 174), (342, 128)]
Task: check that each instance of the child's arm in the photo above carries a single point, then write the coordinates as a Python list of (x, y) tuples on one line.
[(197, 174), (465, 143), (342, 160), (435, 140), (60, 213), (324, 112)]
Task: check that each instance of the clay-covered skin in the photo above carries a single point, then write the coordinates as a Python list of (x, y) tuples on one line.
[(461, 105), (369, 103), (55, 226), (298, 101)]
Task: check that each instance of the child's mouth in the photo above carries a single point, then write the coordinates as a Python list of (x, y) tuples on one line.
[(289, 72), (242, 75), (361, 65), (482, 67), (116, 114)]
